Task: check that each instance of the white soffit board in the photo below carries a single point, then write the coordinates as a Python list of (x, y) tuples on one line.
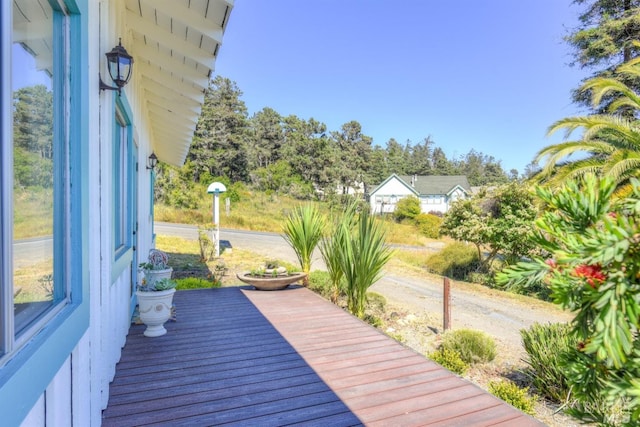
[(175, 44)]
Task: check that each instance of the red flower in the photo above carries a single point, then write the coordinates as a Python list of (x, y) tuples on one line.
[(593, 274), (551, 263)]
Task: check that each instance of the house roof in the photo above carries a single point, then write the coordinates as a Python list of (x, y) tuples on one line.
[(437, 184), (430, 184), (174, 44)]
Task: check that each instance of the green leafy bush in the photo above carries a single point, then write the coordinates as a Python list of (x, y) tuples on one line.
[(592, 264), (513, 395), (407, 208), (195, 283), (472, 346), (429, 225), (449, 359), (320, 283), (455, 260)]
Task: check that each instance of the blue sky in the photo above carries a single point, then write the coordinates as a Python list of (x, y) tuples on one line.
[(489, 75)]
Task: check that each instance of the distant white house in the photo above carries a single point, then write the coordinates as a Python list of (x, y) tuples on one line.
[(436, 193)]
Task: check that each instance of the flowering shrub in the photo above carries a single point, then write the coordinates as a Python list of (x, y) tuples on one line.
[(592, 243)]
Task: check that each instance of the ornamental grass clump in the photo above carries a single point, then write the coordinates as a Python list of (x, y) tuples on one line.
[(362, 256), (546, 345), (472, 346), (591, 239), (303, 230), (330, 248)]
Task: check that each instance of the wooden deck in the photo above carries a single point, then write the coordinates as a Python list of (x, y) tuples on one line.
[(256, 358)]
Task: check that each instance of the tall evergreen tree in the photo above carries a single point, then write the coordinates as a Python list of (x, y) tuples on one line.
[(309, 151), (420, 158), (266, 137), (354, 151), (219, 141), (33, 136), (604, 40)]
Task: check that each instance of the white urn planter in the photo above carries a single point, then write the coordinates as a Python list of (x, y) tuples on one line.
[(155, 310)]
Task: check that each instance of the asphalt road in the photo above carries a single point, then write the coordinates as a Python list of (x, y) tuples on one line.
[(27, 252)]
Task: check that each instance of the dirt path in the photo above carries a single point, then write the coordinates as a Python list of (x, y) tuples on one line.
[(499, 314)]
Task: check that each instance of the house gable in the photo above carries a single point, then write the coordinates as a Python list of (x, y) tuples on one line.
[(394, 185), (434, 191)]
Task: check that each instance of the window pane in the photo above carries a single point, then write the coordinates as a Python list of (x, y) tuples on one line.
[(35, 151)]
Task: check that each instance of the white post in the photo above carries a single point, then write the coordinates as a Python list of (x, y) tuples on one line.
[(216, 219), (216, 188)]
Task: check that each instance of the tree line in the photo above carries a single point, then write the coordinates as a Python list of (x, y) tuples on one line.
[(301, 157)]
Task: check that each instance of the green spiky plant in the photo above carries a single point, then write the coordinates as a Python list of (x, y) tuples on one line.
[(362, 258), (303, 230), (330, 248)]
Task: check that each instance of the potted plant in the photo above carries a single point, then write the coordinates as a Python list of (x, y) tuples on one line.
[(154, 305), (155, 293), (271, 277), (157, 267)]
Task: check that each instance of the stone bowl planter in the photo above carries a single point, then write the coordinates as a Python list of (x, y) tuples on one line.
[(270, 283)]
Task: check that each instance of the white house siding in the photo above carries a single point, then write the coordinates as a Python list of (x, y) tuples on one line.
[(436, 203), (79, 389), (56, 405), (385, 198)]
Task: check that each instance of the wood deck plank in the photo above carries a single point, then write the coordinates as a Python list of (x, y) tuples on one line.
[(241, 357), (389, 393)]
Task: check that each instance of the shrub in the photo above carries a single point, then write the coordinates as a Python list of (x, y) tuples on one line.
[(320, 283), (407, 208), (472, 346), (513, 395), (455, 260), (195, 283), (449, 359), (545, 346), (429, 225)]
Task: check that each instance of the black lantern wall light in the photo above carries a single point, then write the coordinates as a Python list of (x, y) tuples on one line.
[(120, 67), (152, 162)]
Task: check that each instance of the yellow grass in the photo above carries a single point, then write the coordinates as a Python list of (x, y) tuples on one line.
[(32, 281), (32, 213), (258, 211)]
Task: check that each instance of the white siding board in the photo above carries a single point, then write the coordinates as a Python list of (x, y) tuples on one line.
[(58, 398)]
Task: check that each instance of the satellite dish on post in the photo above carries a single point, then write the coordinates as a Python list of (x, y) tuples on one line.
[(216, 188)]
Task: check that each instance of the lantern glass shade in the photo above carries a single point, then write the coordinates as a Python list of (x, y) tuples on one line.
[(120, 65)]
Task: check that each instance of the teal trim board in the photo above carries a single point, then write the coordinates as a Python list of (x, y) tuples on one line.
[(27, 374)]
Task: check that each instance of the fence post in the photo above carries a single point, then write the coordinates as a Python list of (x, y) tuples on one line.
[(446, 304)]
